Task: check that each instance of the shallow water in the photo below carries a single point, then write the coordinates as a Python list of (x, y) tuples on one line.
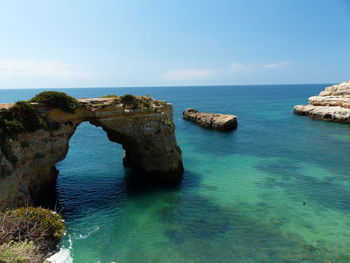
[(275, 190)]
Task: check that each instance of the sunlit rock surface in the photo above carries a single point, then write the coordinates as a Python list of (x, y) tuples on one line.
[(27, 161), (332, 104), (211, 120)]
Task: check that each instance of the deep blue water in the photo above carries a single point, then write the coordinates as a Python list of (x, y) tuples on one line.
[(275, 190)]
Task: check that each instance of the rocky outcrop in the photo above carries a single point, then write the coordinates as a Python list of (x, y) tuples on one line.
[(332, 104), (147, 134), (211, 120)]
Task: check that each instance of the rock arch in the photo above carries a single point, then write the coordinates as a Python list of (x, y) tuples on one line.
[(27, 163)]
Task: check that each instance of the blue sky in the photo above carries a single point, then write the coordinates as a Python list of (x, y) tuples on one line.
[(73, 43)]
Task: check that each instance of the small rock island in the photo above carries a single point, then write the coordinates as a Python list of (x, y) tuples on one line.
[(332, 104), (217, 121), (34, 136)]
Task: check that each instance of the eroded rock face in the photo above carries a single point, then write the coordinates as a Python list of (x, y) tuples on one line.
[(332, 104), (27, 162), (211, 120)]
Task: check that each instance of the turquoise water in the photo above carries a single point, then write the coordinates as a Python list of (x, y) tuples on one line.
[(275, 190)]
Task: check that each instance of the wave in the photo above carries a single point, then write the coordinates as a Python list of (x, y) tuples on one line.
[(64, 254), (80, 236)]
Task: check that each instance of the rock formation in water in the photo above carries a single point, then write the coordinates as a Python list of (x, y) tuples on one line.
[(142, 125), (211, 120), (332, 104)]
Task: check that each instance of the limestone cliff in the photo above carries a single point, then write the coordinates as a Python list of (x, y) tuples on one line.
[(332, 104), (147, 134), (211, 120)]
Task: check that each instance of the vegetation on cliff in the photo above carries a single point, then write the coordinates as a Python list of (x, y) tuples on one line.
[(55, 99), (17, 252), (29, 234), (25, 117), (136, 102), (140, 102), (113, 96), (128, 99), (22, 117)]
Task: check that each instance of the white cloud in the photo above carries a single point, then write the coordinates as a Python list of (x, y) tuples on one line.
[(230, 69), (188, 74), (234, 66), (41, 68), (199, 74), (277, 65)]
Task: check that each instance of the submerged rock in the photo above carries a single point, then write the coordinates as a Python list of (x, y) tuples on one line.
[(143, 126), (211, 120), (332, 104)]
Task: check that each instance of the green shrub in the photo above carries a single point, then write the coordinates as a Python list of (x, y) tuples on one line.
[(55, 99), (128, 99), (22, 117), (18, 252), (144, 102), (13, 126), (168, 122), (161, 102), (41, 226), (138, 102)]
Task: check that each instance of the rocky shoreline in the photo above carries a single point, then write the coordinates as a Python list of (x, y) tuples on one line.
[(332, 104), (217, 121)]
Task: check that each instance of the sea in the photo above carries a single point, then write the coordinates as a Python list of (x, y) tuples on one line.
[(275, 190)]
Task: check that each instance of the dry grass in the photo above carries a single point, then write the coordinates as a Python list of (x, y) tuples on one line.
[(24, 226), (19, 252)]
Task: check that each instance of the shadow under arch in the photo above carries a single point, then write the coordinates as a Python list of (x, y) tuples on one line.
[(93, 175)]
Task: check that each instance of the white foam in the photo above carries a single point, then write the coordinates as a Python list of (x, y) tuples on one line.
[(96, 228), (62, 256)]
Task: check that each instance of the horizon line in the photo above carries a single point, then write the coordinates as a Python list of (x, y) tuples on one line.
[(173, 86)]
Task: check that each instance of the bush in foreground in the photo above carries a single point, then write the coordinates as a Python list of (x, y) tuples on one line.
[(18, 252), (21, 227)]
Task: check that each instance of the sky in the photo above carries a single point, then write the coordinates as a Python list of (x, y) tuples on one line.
[(120, 43)]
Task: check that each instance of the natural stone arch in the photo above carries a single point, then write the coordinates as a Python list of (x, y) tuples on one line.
[(28, 163)]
